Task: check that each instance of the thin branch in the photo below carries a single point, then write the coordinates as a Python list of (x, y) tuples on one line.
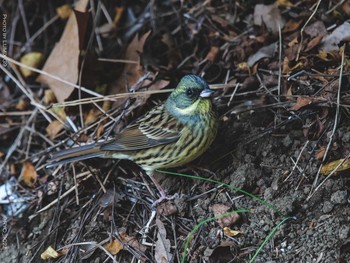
[(50, 75), (336, 121), (303, 28)]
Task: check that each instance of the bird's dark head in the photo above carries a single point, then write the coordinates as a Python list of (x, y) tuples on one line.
[(190, 97)]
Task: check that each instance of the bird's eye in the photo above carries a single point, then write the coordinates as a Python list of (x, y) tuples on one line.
[(190, 93)]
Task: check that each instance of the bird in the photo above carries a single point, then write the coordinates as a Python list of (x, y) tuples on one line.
[(170, 135)]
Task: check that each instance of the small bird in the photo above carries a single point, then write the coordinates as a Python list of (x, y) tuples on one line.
[(170, 135)]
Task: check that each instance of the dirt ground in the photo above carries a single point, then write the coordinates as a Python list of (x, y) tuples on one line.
[(284, 118), (317, 231)]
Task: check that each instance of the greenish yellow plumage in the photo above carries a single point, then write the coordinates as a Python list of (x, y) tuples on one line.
[(170, 135)]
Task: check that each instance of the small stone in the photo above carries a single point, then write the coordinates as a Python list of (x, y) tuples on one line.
[(284, 244), (339, 197), (327, 207), (345, 137), (266, 228), (268, 194), (344, 232), (287, 141)]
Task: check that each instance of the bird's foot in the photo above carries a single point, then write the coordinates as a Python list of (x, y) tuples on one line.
[(164, 197)]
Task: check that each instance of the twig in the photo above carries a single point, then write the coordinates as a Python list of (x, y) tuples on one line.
[(336, 121), (36, 34), (50, 75), (296, 162), (75, 183), (132, 94), (24, 19), (27, 92), (303, 28), (335, 7), (105, 113), (328, 176), (124, 61), (15, 113), (279, 62), (16, 142), (89, 174), (95, 244), (95, 15), (233, 94), (147, 226), (42, 136)]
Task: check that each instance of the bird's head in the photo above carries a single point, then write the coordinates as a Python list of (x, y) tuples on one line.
[(190, 98)]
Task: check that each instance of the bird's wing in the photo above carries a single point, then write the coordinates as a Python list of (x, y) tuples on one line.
[(155, 128)]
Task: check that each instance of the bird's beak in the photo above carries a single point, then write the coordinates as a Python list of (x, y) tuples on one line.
[(206, 93)]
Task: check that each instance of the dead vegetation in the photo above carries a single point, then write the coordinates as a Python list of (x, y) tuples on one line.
[(80, 72)]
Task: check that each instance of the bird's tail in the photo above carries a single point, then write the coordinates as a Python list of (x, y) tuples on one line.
[(75, 154)]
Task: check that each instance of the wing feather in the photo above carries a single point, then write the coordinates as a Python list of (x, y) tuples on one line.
[(155, 128)]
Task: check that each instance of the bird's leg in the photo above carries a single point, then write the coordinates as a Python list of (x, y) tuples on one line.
[(163, 195)]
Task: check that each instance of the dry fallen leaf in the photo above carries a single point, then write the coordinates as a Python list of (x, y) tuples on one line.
[(22, 105), (313, 42), (132, 71), (162, 249), (213, 53), (329, 167), (232, 233), (32, 59), (54, 128), (264, 52), (292, 25), (132, 241), (49, 97), (51, 253), (64, 58), (330, 42), (114, 247), (269, 15), (320, 153), (166, 209), (64, 11), (28, 174), (225, 221), (304, 101)]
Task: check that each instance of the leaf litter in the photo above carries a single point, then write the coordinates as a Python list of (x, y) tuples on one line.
[(284, 134)]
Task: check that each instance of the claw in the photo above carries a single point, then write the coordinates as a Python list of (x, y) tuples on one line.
[(164, 196), (162, 193)]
